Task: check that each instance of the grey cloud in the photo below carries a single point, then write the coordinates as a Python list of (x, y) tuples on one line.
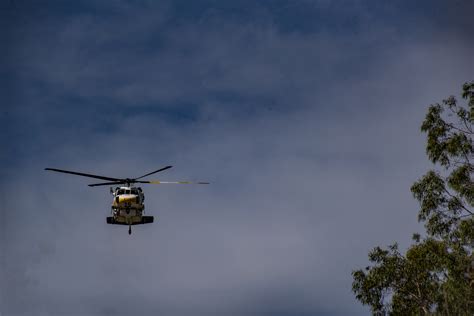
[(190, 62)]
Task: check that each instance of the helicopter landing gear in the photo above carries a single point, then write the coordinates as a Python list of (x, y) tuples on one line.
[(129, 229)]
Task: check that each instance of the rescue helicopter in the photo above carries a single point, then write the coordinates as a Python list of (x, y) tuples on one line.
[(128, 206)]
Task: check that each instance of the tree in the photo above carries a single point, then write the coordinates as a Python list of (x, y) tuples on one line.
[(436, 274)]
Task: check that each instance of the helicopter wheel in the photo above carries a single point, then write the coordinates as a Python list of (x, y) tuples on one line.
[(129, 229)]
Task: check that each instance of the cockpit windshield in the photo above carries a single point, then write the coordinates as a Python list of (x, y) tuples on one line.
[(133, 191)]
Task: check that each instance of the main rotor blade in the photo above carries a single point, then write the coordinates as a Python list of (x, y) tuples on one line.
[(171, 182), (105, 183), (167, 167), (84, 174)]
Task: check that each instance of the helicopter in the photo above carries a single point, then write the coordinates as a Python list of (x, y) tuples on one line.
[(128, 206)]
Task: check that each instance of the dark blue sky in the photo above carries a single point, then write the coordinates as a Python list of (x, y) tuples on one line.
[(304, 115), (104, 42)]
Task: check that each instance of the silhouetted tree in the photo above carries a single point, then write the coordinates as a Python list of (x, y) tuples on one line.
[(436, 275)]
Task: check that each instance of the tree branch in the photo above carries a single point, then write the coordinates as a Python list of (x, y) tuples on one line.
[(462, 206)]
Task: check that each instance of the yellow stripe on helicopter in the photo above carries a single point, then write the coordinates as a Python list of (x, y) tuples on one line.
[(166, 182), (125, 198)]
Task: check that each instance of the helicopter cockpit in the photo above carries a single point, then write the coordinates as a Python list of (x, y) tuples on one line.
[(128, 191)]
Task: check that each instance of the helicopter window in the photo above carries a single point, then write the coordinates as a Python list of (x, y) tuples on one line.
[(135, 191), (120, 192), (127, 191)]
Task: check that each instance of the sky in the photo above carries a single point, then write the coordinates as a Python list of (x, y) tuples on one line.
[(304, 115)]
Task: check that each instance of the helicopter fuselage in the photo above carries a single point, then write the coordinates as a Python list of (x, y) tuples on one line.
[(128, 207)]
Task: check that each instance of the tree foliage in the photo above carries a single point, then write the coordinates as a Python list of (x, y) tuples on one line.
[(436, 274)]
